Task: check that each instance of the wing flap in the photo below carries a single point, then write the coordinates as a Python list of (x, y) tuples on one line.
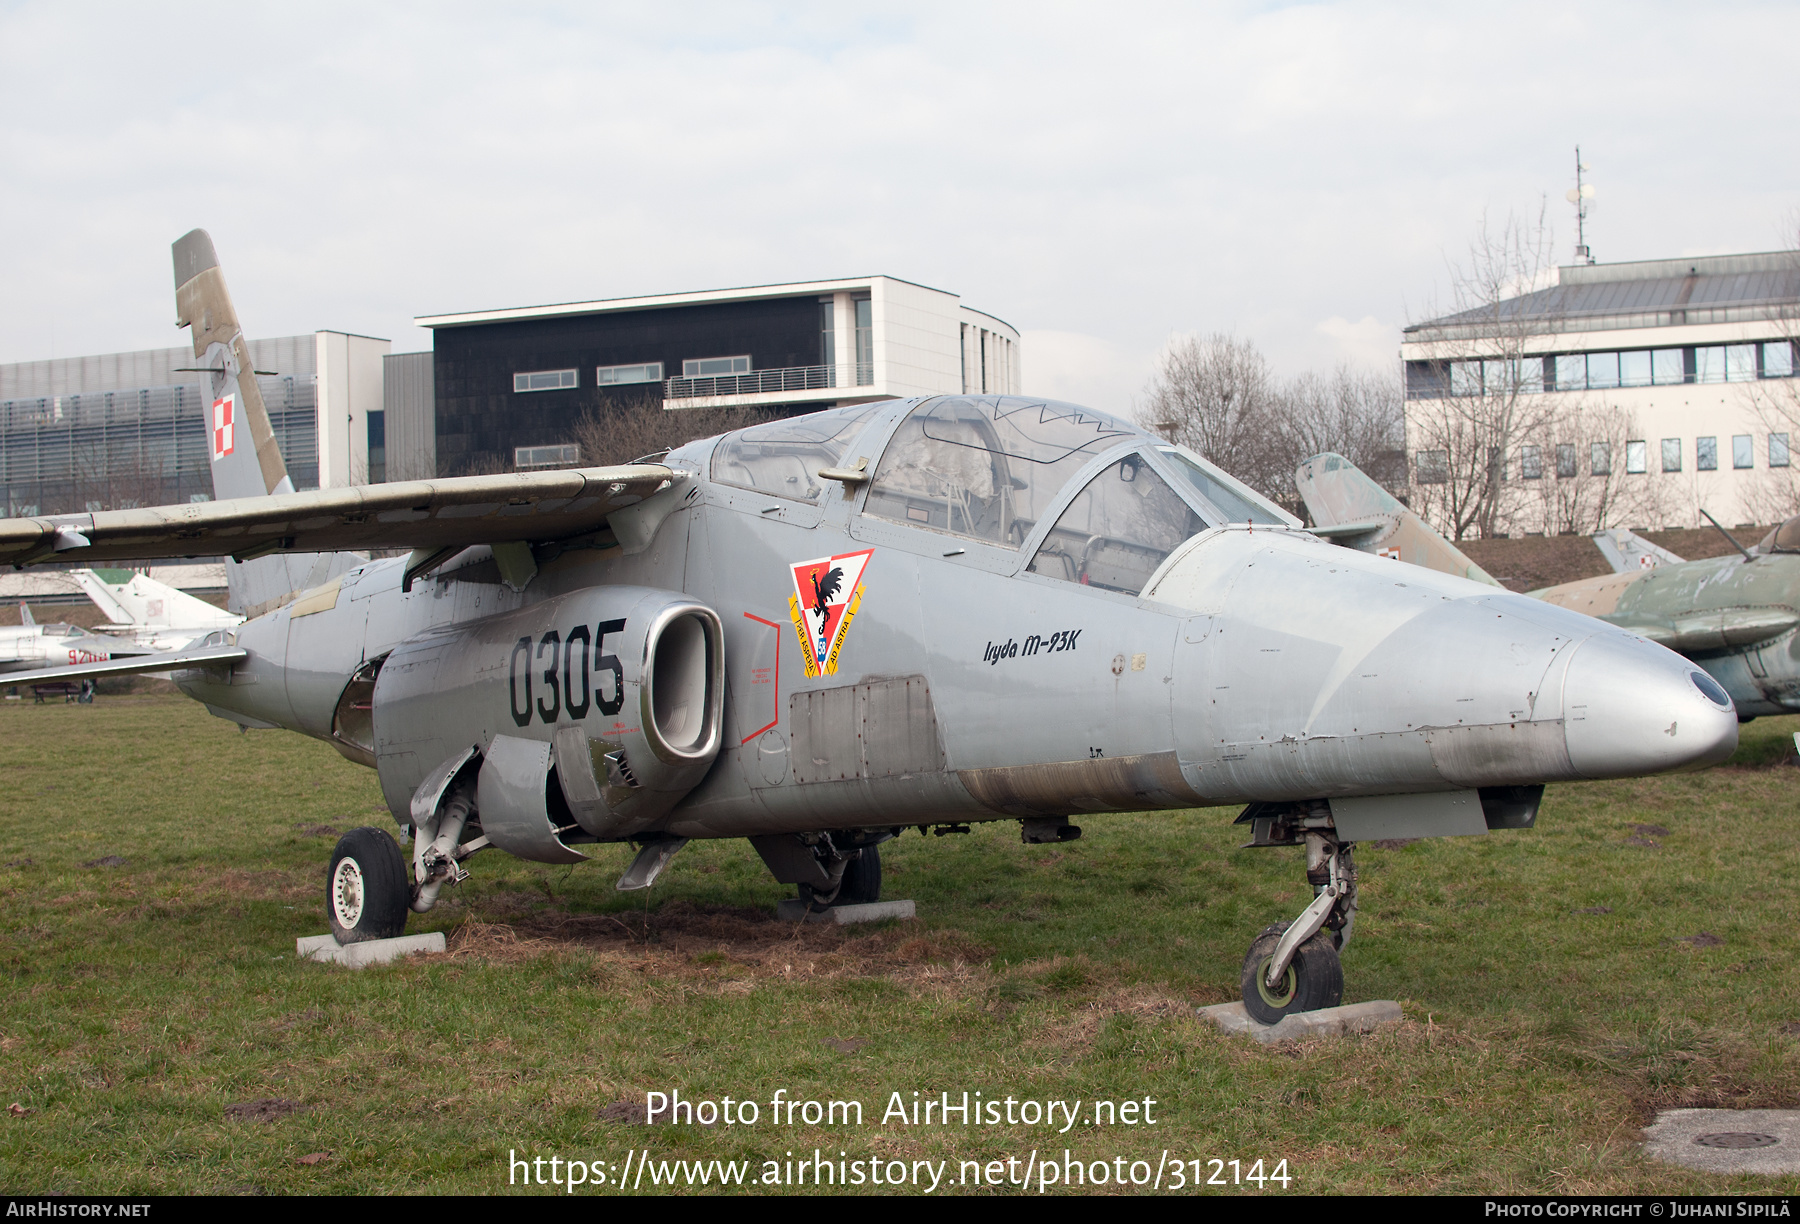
[(455, 511)]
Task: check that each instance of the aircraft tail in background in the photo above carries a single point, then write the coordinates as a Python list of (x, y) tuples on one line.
[(1628, 553), (1350, 509), (246, 459)]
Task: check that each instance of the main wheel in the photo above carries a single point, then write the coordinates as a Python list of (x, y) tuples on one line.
[(862, 878), (366, 893), (1314, 979)]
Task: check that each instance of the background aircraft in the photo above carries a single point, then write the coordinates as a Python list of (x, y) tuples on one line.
[(41, 650), (152, 614), (1736, 615), (816, 632)]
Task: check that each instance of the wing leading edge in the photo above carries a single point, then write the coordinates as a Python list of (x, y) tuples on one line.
[(454, 512)]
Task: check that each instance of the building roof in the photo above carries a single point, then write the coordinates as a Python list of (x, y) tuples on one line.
[(1645, 293), (746, 293)]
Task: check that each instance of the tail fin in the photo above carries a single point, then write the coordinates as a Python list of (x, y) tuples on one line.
[(25, 616), (1628, 553), (246, 459), (1352, 510), (141, 600)]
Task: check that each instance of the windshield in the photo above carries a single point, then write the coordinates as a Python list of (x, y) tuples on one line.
[(1117, 530), (783, 458), (1785, 538), (1238, 503), (987, 467)]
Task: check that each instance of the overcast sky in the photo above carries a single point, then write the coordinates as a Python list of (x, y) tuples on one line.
[(1103, 177)]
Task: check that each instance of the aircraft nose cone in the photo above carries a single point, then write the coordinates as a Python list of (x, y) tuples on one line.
[(1631, 707)]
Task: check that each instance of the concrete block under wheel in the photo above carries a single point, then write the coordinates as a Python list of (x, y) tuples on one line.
[(794, 909), (372, 952), (1326, 1022)]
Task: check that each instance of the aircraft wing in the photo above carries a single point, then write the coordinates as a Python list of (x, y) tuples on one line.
[(1338, 531), (170, 660), (420, 514)]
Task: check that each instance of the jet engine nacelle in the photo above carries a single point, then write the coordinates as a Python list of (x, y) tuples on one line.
[(604, 706)]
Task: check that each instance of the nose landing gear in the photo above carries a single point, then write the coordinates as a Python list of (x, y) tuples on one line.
[(1293, 966)]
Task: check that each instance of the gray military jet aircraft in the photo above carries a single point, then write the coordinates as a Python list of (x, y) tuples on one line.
[(1736, 616), (29, 647), (816, 632)]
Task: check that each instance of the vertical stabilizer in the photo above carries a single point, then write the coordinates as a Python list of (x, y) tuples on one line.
[(25, 617), (1350, 509), (246, 459), (1628, 552)]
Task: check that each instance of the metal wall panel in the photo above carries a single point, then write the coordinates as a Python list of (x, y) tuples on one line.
[(408, 401)]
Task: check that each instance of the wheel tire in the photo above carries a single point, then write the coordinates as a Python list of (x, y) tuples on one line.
[(366, 892), (862, 878), (1315, 977)]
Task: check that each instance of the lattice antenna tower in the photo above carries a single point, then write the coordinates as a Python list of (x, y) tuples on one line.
[(1581, 195)]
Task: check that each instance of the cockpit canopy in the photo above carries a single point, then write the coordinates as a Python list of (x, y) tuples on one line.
[(1784, 539), (990, 468)]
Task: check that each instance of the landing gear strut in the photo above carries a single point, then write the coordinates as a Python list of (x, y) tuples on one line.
[(1293, 966)]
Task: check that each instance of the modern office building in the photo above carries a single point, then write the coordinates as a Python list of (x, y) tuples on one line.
[(512, 385), (1685, 349), (125, 429)]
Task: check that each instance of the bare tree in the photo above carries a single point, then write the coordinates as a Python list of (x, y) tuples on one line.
[(621, 428), (1488, 393), (1217, 395), (1570, 474)]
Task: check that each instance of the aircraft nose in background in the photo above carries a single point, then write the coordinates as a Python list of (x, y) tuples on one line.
[(1632, 707)]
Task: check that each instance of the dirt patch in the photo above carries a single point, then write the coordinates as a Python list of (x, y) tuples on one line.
[(1649, 830), (724, 945), (1595, 909), (111, 860), (1138, 1002), (267, 1109), (633, 1113), (1704, 939), (843, 1045), (318, 830)]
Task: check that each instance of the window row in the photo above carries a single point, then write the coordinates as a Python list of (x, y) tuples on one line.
[(1564, 459), (1603, 371), (626, 375)]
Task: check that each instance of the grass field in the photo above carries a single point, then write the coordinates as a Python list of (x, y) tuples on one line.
[(1633, 952)]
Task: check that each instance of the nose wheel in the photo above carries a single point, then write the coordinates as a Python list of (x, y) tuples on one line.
[(1293, 966)]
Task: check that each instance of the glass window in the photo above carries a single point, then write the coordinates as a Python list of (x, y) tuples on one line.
[(1531, 462), (783, 458), (544, 380), (1706, 454), (1635, 458), (1778, 451), (527, 458), (1465, 378), (986, 468), (715, 367), (1709, 364), (1671, 454), (1600, 459), (1224, 494), (1602, 370), (1740, 362), (1743, 451), (1433, 467), (1117, 530), (1566, 467), (865, 342), (1571, 372), (1634, 369), (1668, 367), (1426, 379), (1778, 359), (618, 376), (1531, 375)]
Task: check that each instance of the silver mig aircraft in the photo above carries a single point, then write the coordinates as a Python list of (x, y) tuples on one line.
[(29, 647), (816, 632), (1736, 616)]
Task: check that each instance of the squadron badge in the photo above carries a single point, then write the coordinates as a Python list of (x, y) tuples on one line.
[(827, 593)]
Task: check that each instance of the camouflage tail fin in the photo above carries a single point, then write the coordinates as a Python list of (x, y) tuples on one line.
[(246, 459), (1350, 509)]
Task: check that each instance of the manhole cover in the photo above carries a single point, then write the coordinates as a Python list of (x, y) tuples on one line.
[(1736, 1139)]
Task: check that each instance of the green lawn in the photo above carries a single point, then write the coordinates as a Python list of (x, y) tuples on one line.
[(1555, 993)]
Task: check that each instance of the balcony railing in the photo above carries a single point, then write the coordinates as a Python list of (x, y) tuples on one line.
[(762, 382)]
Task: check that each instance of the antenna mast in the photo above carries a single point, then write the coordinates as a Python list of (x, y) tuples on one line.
[(1579, 195)]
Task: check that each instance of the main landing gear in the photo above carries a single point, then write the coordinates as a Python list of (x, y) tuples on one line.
[(1293, 966), (366, 891)]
